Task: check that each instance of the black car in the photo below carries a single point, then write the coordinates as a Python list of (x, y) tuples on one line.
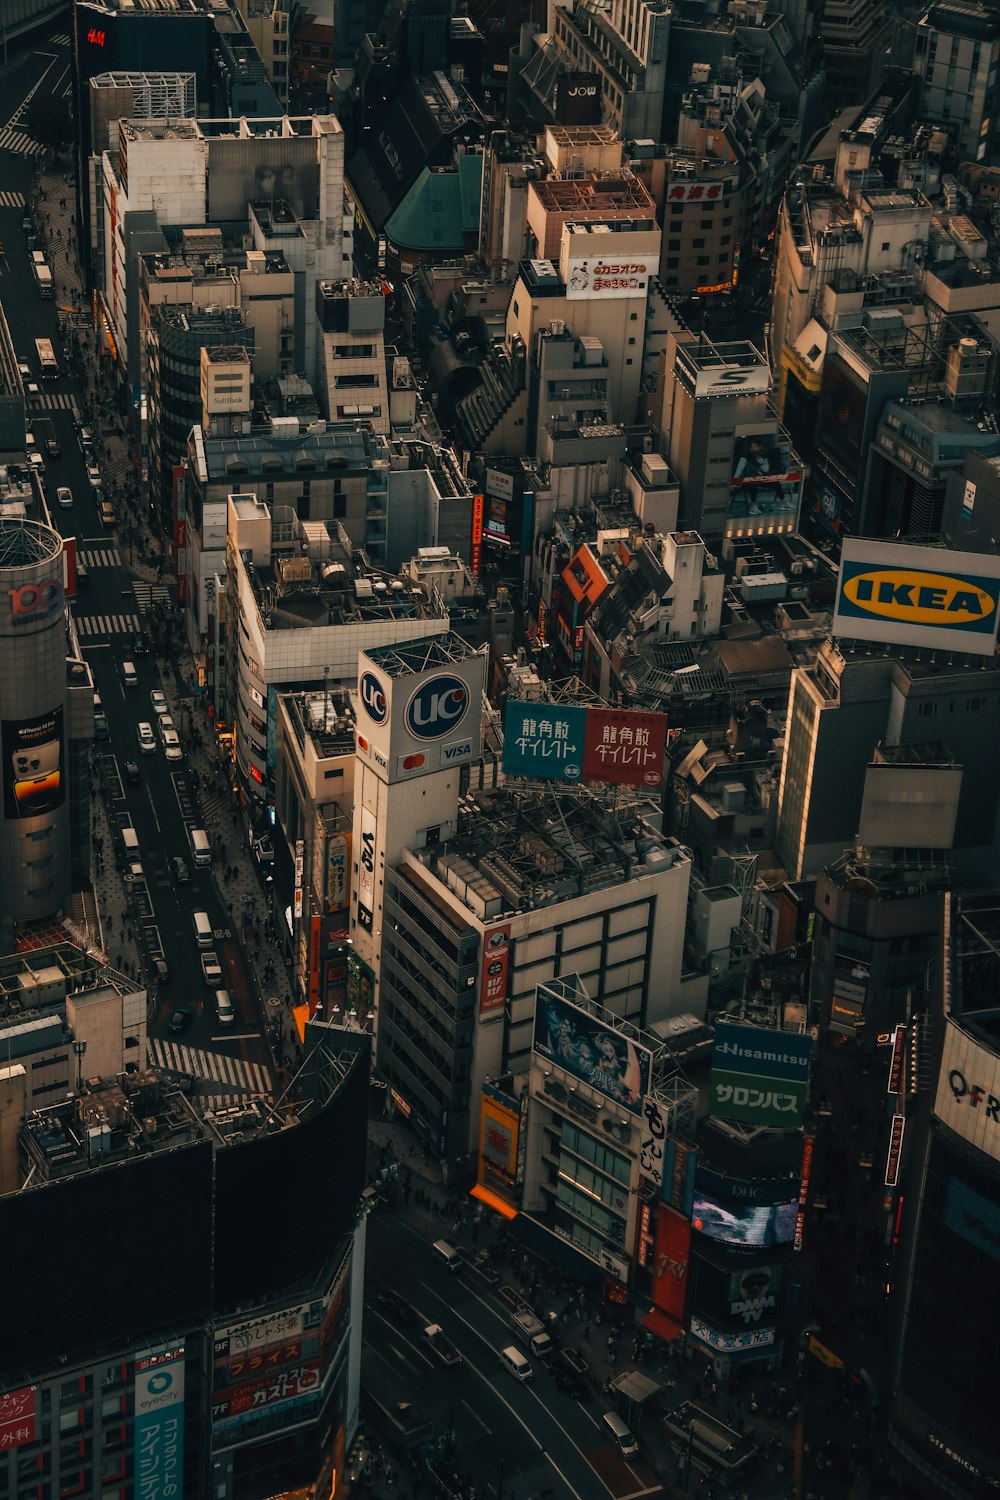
[(159, 968), (140, 644), (396, 1308), (132, 772), (181, 872), (569, 1381), (180, 1020), (52, 448)]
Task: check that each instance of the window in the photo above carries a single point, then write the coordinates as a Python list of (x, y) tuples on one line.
[(672, 264), (631, 341), (673, 244), (727, 221), (703, 260), (705, 224), (885, 244), (698, 244)]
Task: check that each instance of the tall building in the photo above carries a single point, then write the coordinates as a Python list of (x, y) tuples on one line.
[(205, 1365), (40, 735), (941, 1430), (856, 36), (894, 684), (956, 53), (739, 475)]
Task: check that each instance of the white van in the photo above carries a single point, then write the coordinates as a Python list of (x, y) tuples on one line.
[(448, 1254), (620, 1434), (130, 676), (224, 1006), (203, 929), (131, 860), (516, 1363), (201, 849)]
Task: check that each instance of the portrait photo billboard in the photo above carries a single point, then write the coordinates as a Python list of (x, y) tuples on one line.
[(588, 1050)]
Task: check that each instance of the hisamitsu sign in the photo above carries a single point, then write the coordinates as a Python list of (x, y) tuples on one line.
[(760, 1076), (918, 596)]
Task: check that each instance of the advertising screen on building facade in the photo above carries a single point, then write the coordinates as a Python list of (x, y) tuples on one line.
[(33, 764), (753, 1224), (584, 1047), (766, 478), (902, 595)]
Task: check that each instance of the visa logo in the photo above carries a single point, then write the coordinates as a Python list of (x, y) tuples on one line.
[(461, 751), (918, 597)]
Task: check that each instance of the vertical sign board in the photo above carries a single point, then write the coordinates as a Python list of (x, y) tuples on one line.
[(759, 1075), (673, 1245), (366, 871), (476, 560), (897, 1063), (496, 954), (895, 1150), (159, 1424), (808, 1146), (299, 867), (654, 1134)]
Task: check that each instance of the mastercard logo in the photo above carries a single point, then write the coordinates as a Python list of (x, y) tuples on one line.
[(413, 762), (362, 743)]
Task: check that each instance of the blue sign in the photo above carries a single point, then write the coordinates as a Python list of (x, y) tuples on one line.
[(762, 1052), (159, 1425), (544, 740), (437, 707), (974, 1217), (373, 698)]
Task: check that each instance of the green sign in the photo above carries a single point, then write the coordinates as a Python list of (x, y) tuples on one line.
[(758, 1100)]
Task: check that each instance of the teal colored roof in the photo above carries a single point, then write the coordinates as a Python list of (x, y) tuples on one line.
[(440, 208)]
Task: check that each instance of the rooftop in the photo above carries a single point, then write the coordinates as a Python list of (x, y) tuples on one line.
[(327, 719), (421, 654)]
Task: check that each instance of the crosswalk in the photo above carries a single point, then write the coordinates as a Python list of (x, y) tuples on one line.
[(52, 401), (11, 200), (101, 557), (147, 594), (91, 625), (247, 1077), (62, 40), (23, 145)]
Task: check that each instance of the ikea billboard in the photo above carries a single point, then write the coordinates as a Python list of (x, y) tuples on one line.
[(918, 596)]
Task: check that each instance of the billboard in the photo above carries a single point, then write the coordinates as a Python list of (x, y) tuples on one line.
[(968, 1092), (973, 1216), (499, 1127), (766, 479), (159, 1422), (544, 740), (500, 485), (366, 871), (692, 192), (600, 278), (554, 742), (670, 1267), (651, 1145), (753, 1292), (360, 986), (755, 1190), (496, 955), (904, 595), (412, 723), (733, 380), (731, 1343), (17, 1418), (759, 1076), (476, 556), (498, 526), (338, 872), (625, 747), (32, 764), (589, 1050), (755, 1225)]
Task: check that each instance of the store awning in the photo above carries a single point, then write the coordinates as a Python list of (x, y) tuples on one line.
[(492, 1201), (664, 1327)]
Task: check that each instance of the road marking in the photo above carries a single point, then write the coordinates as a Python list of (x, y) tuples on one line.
[(478, 1418)]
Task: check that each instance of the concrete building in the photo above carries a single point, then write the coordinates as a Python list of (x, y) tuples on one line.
[(858, 696), (11, 395), (738, 473), (955, 54), (283, 177), (351, 374), (267, 22), (301, 611), (44, 727), (857, 36), (191, 1331)]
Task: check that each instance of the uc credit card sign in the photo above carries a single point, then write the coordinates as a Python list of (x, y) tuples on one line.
[(918, 596)]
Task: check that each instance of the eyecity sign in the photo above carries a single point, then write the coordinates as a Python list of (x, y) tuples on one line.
[(918, 596)]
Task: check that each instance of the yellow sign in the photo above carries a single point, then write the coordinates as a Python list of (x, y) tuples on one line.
[(824, 1355), (917, 597)]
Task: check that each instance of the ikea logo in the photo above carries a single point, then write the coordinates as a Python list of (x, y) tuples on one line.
[(912, 596)]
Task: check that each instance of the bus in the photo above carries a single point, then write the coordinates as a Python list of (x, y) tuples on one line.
[(47, 359), (42, 273)]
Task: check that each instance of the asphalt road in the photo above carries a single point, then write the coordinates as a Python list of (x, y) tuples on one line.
[(516, 1439), (107, 612)]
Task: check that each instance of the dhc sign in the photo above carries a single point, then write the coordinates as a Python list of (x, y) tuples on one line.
[(437, 707), (919, 596)]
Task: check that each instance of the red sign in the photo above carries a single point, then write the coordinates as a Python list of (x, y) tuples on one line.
[(691, 192), (314, 965), (807, 1161), (477, 534), (673, 1244), (282, 1385), (645, 1233), (17, 1418), (496, 953), (897, 1062), (95, 37), (895, 1150), (624, 747)]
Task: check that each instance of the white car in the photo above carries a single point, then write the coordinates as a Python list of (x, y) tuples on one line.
[(94, 476), (171, 745), (25, 369), (64, 496), (212, 969), (32, 389), (36, 461), (146, 738), (159, 702)]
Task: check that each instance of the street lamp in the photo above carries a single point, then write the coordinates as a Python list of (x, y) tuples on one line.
[(79, 1047)]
